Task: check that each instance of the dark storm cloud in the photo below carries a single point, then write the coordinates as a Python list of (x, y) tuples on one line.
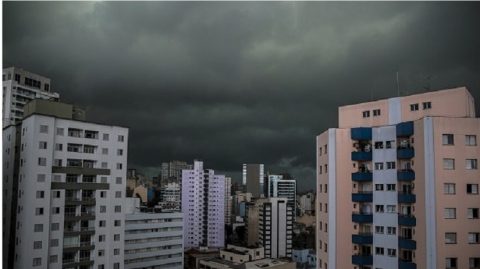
[(239, 82)]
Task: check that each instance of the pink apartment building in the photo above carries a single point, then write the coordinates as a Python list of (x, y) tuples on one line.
[(398, 184)]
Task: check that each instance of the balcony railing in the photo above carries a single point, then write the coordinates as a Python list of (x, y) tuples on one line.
[(406, 265), (404, 129), (406, 198), (362, 239), (407, 220), (405, 175), (363, 175), (362, 259), (362, 197), (361, 133), (405, 153), (362, 218), (407, 243), (361, 156)]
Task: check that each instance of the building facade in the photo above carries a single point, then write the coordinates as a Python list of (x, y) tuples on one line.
[(153, 239), (20, 87), (280, 187), (228, 200), (270, 224), (252, 179), (307, 203), (407, 170), (203, 205), (71, 186)]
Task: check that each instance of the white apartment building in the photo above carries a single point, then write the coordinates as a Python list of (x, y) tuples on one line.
[(280, 187), (71, 190), (153, 239), (203, 205), (20, 87)]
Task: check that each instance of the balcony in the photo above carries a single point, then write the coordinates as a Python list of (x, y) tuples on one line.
[(406, 265), (404, 129), (362, 197), (362, 239), (362, 218), (405, 175), (361, 156), (407, 243), (361, 176), (405, 153), (407, 220), (361, 133), (362, 260), (406, 198)]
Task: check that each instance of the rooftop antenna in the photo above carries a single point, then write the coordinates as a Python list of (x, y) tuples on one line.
[(398, 87)]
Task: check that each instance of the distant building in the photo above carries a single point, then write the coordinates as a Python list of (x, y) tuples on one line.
[(228, 201), (307, 204), (203, 202), (153, 239), (170, 196), (65, 181), (252, 179), (278, 186), (270, 222), (193, 256), (19, 88), (172, 171)]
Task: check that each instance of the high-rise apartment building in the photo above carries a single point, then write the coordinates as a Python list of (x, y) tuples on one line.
[(252, 179), (20, 87), (278, 186), (397, 184), (170, 196), (71, 190), (270, 224), (203, 205), (153, 239), (173, 170), (228, 200)]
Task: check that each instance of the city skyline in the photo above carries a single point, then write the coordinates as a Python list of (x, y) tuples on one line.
[(234, 83)]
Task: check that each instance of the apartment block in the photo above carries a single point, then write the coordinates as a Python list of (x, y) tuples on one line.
[(397, 184), (203, 205), (71, 189), (20, 87), (270, 224), (170, 196), (278, 186), (252, 179), (153, 239)]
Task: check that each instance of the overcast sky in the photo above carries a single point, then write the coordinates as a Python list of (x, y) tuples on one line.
[(240, 82)]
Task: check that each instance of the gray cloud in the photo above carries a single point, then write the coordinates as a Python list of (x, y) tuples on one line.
[(234, 82)]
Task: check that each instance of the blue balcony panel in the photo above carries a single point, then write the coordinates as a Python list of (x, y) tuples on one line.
[(405, 198), (362, 197), (407, 244), (405, 153), (362, 239), (361, 133), (361, 156), (405, 129), (362, 260), (407, 220), (362, 218), (406, 175), (406, 265), (362, 176)]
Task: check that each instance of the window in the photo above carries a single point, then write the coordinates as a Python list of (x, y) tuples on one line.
[(56, 210), (120, 152), (117, 223), (450, 213), (474, 263), (119, 166), (116, 237), (101, 238), (448, 164), (104, 164), (470, 140), (473, 238), (390, 165), (472, 213), (103, 194), (54, 243), (379, 208), (38, 228), (376, 112), (391, 187), (118, 209), (378, 166), (44, 129), (449, 188), (105, 137), (40, 194), (118, 180), (58, 147), (42, 161), (104, 151), (366, 114), (37, 262), (379, 251), (53, 258), (392, 230), (413, 107), (427, 105), (388, 144), (391, 208), (116, 265), (101, 266), (392, 252), (116, 251), (60, 131), (447, 139), (451, 263), (101, 253), (379, 187), (42, 145), (37, 244), (472, 188), (101, 223), (39, 211), (120, 138), (103, 209), (379, 229), (57, 162), (450, 238), (379, 145), (118, 194), (55, 226), (471, 164)]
